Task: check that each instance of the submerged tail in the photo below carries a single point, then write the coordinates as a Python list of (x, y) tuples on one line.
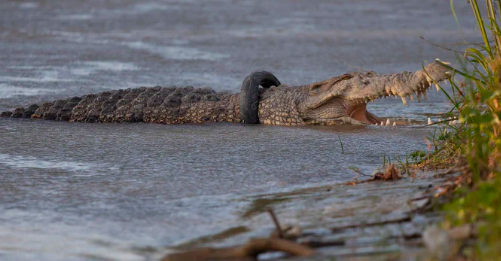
[(168, 105), (20, 112)]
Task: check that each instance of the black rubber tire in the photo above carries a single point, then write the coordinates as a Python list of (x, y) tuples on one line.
[(249, 95)]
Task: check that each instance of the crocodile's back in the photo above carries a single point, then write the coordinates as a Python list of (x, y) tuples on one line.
[(168, 105)]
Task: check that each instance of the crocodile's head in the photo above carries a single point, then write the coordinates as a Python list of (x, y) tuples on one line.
[(344, 98)]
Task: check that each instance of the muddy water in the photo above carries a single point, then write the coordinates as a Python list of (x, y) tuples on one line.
[(71, 191)]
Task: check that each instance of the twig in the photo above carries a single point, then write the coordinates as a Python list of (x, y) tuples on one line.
[(453, 169), (402, 219), (358, 171), (275, 221), (440, 46)]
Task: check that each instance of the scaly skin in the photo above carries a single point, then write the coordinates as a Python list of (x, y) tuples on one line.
[(339, 100)]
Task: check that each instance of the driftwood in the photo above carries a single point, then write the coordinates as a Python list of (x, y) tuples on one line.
[(248, 251)]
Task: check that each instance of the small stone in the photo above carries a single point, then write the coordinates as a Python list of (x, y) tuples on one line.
[(439, 243), (460, 233)]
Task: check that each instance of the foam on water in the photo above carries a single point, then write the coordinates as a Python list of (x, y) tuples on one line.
[(9, 91), (28, 5), (26, 162), (46, 76), (85, 68), (89, 67), (76, 17), (178, 52), (149, 7), (209, 79)]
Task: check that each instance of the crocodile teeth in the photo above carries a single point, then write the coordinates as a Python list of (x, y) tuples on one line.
[(394, 123), (418, 96), (411, 97), (430, 122), (424, 94), (388, 122), (438, 87), (404, 101)]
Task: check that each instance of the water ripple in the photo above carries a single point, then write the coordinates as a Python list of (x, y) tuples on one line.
[(26, 162)]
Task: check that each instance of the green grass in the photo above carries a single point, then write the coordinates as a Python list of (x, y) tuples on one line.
[(475, 142)]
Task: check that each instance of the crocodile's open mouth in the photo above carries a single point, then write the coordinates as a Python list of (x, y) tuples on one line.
[(362, 114)]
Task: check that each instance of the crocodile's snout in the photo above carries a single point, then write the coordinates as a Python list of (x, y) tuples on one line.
[(356, 89)]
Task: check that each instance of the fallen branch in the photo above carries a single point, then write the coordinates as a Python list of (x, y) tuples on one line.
[(250, 250)]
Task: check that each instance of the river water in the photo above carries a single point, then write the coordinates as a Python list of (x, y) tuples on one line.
[(73, 191)]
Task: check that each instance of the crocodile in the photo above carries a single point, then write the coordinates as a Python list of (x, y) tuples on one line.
[(338, 100)]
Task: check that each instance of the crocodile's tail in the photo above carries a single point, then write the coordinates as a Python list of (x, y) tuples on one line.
[(155, 104), (20, 112)]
